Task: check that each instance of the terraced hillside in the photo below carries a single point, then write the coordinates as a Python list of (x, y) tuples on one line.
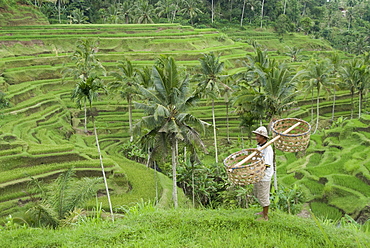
[(335, 171), (40, 134), (15, 14), (41, 131)]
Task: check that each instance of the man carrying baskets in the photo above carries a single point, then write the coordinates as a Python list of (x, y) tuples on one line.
[(262, 188)]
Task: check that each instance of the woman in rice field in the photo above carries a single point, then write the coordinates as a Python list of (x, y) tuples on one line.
[(262, 188)]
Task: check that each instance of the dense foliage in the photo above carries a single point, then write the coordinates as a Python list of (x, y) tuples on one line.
[(344, 23)]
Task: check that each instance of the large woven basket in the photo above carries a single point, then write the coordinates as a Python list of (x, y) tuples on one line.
[(296, 140), (250, 172)]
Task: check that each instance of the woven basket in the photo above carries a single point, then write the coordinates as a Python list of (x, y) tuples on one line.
[(296, 140), (250, 172)]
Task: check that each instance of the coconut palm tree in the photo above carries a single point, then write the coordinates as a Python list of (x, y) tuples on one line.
[(227, 95), (126, 11), (144, 77), (318, 74), (126, 84), (144, 12), (61, 198), (166, 121), (77, 16), (88, 71), (280, 89), (262, 8), (211, 85), (335, 60), (255, 78), (60, 2), (191, 9), (165, 8), (356, 74)]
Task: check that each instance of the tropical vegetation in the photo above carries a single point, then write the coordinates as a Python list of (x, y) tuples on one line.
[(136, 103)]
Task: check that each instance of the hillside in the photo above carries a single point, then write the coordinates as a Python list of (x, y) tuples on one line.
[(146, 226), (41, 131), (334, 172), (13, 13)]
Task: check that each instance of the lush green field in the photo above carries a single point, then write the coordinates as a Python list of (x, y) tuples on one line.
[(41, 133), (146, 226)]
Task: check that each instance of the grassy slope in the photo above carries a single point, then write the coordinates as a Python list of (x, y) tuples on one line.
[(149, 227), (15, 14)]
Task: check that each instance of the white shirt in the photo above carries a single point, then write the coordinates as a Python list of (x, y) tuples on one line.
[(268, 157)]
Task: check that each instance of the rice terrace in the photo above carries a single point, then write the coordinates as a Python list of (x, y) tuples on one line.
[(118, 120)]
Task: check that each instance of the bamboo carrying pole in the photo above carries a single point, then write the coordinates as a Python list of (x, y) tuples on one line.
[(266, 145)]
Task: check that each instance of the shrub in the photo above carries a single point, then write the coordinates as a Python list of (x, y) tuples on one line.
[(287, 199)]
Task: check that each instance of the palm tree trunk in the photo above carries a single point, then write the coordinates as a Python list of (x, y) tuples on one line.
[(352, 105), (333, 110), (213, 11), (304, 8), (242, 18), (129, 101), (174, 173), (359, 103), (59, 10), (263, 5), (312, 105), (156, 184), (102, 168), (192, 184), (214, 130), (284, 7), (231, 10), (317, 110), (85, 118), (227, 122)]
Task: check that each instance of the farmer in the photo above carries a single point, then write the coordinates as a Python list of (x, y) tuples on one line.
[(262, 188)]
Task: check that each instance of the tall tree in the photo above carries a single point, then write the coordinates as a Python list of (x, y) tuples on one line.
[(356, 74), (89, 70), (60, 2), (126, 10), (243, 11), (191, 9), (165, 8), (335, 61), (144, 11), (212, 85), (212, 11), (350, 78), (318, 73), (126, 84), (262, 8), (86, 66), (166, 122), (255, 76)]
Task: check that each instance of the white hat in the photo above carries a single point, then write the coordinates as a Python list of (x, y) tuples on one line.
[(261, 131)]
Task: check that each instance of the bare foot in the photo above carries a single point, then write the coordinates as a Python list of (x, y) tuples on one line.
[(263, 218)]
